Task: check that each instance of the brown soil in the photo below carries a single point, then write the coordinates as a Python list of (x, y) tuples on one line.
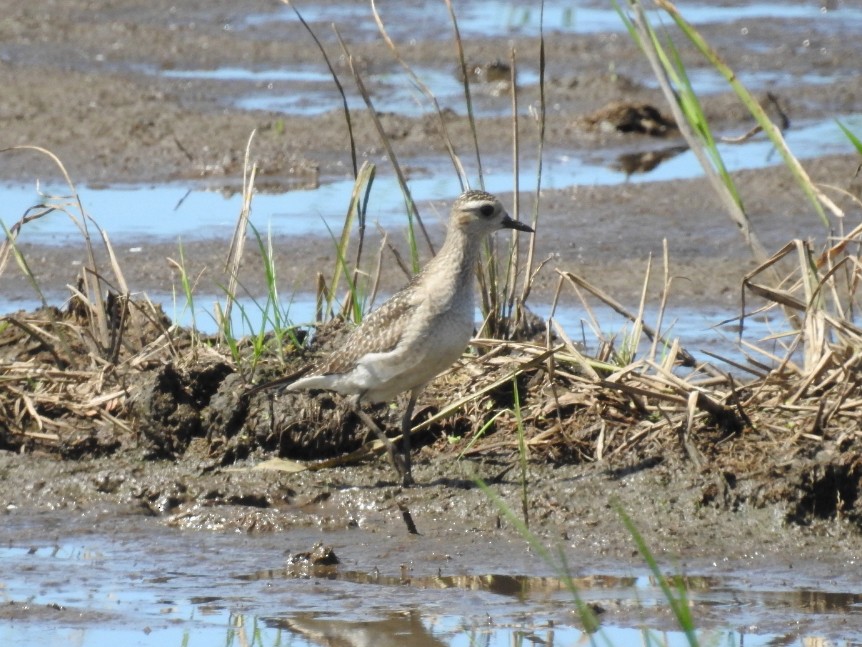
[(180, 445)]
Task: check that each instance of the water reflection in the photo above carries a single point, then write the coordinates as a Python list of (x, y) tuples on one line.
[(520, 587), (306, 91), (501, 18), (645, 161), (146, 585), (395, 630)]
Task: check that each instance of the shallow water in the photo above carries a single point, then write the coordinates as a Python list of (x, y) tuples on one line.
[(100, 580), (312, 91), (500, 18), (131, 213), (698, 330)]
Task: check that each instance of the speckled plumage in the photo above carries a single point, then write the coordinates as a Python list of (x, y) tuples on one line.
[(422, 329)]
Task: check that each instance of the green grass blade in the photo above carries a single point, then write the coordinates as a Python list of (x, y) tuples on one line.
[(690, 126), (588, 618), (358, 203), (480, 433), (352, 288), (857, 144), (188, 291), (678, 600), (816, 197), (22, 263), (522, 451), (693, 109)]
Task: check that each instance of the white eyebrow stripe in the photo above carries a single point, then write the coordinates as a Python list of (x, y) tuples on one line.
[(474, 205)]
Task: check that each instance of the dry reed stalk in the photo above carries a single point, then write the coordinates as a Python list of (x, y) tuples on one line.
[(385, 141), (329, 66), (579, 282), (444, 130), (237, 243), (462, 62)]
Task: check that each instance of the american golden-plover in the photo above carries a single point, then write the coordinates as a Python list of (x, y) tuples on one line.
[(419, 332)]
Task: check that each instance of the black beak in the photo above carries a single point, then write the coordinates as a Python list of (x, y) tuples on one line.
[(508, 223)]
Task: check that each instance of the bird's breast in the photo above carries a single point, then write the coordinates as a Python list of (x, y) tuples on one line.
[(446, 332)]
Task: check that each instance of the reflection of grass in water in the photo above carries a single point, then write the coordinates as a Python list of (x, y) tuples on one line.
[(518, 15), (676, 596)]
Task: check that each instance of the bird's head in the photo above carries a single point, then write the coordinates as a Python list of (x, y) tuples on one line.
[(477, 213)]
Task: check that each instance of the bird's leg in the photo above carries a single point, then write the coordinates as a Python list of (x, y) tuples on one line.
[(406, 426), (397, 461)]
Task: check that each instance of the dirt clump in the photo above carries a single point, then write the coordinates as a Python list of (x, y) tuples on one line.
[(170, 405)]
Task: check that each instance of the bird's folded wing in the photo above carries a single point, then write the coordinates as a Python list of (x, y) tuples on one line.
[(380, 332)]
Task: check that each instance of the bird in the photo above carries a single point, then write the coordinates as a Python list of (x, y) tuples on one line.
[(418, 332)]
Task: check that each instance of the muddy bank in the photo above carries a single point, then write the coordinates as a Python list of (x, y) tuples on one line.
[(674, 506)]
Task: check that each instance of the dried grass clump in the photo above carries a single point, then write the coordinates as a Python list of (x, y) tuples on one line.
[(578, 408), (817, 383), (66, 374), (58, 390)]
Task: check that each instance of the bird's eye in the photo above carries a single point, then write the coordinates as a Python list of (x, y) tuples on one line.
[(487, 210)]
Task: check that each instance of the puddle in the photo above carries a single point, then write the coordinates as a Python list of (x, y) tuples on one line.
[(308, 91), (707, 81), (500, 18), (67, 579), (697, 330), (311, 91), (136, 213)]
